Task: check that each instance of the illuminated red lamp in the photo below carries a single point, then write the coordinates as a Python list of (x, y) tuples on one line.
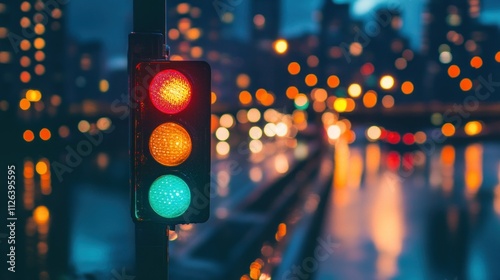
[(408, 139), (170, 91)]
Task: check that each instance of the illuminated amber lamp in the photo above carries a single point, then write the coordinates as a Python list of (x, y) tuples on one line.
[(170, 138), (170, 144)]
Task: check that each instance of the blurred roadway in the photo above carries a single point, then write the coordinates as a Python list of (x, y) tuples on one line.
[(412, 215), (379, 211)]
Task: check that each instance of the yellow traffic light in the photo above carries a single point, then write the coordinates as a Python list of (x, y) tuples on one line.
[(170, 144)]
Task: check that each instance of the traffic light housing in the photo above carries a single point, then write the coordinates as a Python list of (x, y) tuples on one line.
[(170, 141)]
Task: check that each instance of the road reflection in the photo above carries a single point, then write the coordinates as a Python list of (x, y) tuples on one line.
[(400, 214), (396, 214)]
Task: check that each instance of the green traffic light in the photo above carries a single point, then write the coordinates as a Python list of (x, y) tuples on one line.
[(169, 196)]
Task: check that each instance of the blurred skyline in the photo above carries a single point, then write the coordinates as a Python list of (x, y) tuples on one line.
[(298, 19)]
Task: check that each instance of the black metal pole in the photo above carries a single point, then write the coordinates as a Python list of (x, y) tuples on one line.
[(151, 251), (150, 16), (147, 42)]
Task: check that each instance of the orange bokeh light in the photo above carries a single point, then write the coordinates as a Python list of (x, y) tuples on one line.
[(466, 84), (448, 129), (333, 81), (294, 68), (25, 77), (25, 45), (213, 98), (267, 100), (370, 99), (311, 80), (24, 104), (39, 55), (243, 81), (28, 136), (245, 97), (453, 71), (476, 62), (25, 61), (41, 215), (292, 92), (45, 134), (260, 94), (407, 87), (39, 69)]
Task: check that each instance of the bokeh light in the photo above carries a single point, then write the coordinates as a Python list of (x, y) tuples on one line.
[(41, 215), (28, 136), (311, 80), (407, 87), (476, 62), (387, 82), (103, 86), (448, 129), (453, 71), (24, 104), (33, 95), (334, 132), (466, 84), (227, 120), (45, 134), (83, 126), (294, 68), (333, 81), (388, 101), (255, 132), (340, 104), (281, 46), (243, 81), (473, 128), (245, 97), (213, 98), (354, 90), (370, 99), (292, 92), (103, 123), (373, 133), (254, 115), (222, 148), (301, 102), (41, 167), (222, 133)]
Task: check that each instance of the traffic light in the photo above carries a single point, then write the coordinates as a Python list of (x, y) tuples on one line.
[(170, 141)]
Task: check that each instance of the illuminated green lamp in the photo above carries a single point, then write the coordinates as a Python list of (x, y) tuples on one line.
[(169, 196)]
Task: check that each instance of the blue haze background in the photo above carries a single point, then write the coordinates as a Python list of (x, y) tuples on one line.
[(103, 19)]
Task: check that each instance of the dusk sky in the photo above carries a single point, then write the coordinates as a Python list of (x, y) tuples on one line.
[(110, 21)]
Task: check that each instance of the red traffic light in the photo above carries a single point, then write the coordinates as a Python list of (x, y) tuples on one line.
[(170, 142), (170, 91)]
